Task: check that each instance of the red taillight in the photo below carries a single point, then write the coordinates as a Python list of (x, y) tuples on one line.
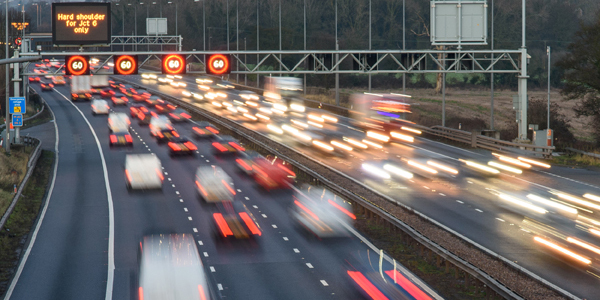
[(366, 285), (75, 95), (141, 116), (141, 293), (286, 170), (190, 146), (143, 109), (250, 223), (51, 85), (113, 138), (154, 114), (351, 215), (212, 130), (219, 147), (93, 106), (306, 210), (107, 107), (174, 146), (128, 175), (198, 130), (174, 116), (225, 230), (201, 291), (236, 146), (128, 138), (408, 286), (88, 95), (227, 186), (170, 106), (175, 133), (160, 134), (160, 175), (201, 188), (158, 107), (186, 116), (111, 92), (243, 164), (124, 99), (43, 85)]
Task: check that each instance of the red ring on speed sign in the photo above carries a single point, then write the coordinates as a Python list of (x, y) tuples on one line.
[(218, 71), (170, 58), (84, 63), (125, 71)]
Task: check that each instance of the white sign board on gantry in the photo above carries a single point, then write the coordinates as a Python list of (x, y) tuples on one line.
[(459, 22), (156, 26)]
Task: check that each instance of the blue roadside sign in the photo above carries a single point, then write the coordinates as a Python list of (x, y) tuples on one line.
[(17, 120), (16, 105)]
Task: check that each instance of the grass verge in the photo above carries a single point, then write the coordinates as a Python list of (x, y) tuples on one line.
[(16, 230), (12, 171), (44, 117), (576, 160)]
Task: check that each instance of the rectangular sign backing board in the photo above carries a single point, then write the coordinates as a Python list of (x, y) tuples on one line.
[(17, 120), (16, 105), (81, 23)]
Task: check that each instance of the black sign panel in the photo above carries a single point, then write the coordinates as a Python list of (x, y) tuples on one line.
[(81, 23)]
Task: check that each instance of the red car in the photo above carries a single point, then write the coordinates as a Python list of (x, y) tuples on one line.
[(272, 174), (181, 146), (135, 109), (120, 139), (119, 99), (107, 93)]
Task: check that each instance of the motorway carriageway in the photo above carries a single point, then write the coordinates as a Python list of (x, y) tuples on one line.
[(466, 203), (69, 257)]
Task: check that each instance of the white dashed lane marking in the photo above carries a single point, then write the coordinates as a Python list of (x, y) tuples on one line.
[(169, 179), (200, 243), (212, 269), (246, 198), (296, 250), (285, 238), (324, 283), (264, 216), (500, 220), (274, 226), (195, 229), (255, 206), (180, 200), (190, 218), (459, 201), (172, 185), (185, 209), (176, 192), (220, 286), (205, 254), (309, 265), (479, 210)]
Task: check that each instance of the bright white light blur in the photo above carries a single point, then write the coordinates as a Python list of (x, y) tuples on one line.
[(203, 80), (315, 124), (298, 123), (152, 76), (232, 109), (203, 87), (378, 136), (297, 107), (583, 245), (210, 96), (146, 76), (403, 95), (178, 76), (505, 167), (316, 118), (578, 200), (373, 170), (302, 136), (442, 167), (251, 117), (275, 129), (592, 197), (341, 145), (186, 93), (481, 167), (225, 103), (563, 250), (404, 137), (411, 129), (182, 84), (357, 144), (513, 161), (252, 103), (329, 118), (289, 129), (280, 107), (265, 118), (174, 84), (322, 145), (277, 111), (242, 109), (170, 76), (397, 171), (534, 162), (372, 144), (373, 94), (594, 231), (265, 110), (217, 104), (221, 94), (422, 167), (523, 203), (552, 203), (110, 64)]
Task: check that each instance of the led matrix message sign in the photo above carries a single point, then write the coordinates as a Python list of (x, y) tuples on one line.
[(81, 23)]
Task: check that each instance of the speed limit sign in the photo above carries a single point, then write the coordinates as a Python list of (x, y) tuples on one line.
[(77, 65), (126, 65), (218, 64), (173, 64)]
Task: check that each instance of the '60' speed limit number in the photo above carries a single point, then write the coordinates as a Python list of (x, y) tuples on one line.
[(218, 64), (173, 64), (77, 65), (126, 65)]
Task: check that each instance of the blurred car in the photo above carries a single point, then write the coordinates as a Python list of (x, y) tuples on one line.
[(164, 108), (170, 268), (235, 221), (143, 171), (46, 86), (34, 79), (178, 115), (164, 80), (59, 80), (249, 95), (158, 123), (120, 138), (140, 96), (114, 85), (181, 146), (321, 212), (153, 101), (118, 122), (246, 159), (204, 80), (272, 174), (145, 117), (224, 85), (149, 76), (135, 109), (227, 145), (127, 89), (178, 84), (99, 107), (213, 184), (107, 93), (119, 99), (205, 130), (166, 135)]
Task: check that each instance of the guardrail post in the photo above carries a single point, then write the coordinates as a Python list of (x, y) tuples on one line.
[(474, 135)]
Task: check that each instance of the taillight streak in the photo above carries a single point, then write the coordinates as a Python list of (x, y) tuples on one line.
[(212, 130), (351, 215), (219, 147), (250, 223), (225, 230), (243, 164), (306, 210), (190, 146), (366, 285), (236, 146), (408, 286), (113, 138), (174, 146), (160, 175), (201, 188), (227, 186)]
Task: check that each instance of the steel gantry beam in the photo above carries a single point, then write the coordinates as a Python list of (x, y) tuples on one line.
[(128, 40), (350, 62)]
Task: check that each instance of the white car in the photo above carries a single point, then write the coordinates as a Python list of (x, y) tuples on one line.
[(171, 268), (143, 171), (118, 122), (214, 185), (99, 106), (159, 123)]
